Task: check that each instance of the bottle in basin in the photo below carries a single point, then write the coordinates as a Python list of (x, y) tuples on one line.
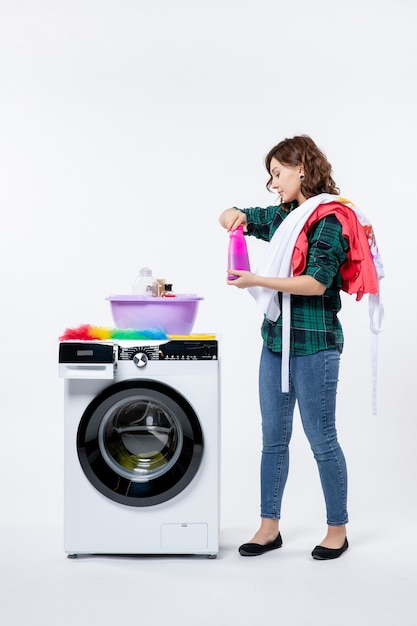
[(145, 284), (238, 258), (167, 292)]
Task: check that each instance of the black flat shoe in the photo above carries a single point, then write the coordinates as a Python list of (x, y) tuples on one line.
[(324, 554), (255, 549)]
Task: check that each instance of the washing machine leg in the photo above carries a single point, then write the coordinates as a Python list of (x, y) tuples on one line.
[(72, 556)]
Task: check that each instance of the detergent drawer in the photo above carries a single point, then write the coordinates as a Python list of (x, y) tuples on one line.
[(84, 360)]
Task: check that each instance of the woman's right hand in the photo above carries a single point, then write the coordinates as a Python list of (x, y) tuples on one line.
[(232, 218)]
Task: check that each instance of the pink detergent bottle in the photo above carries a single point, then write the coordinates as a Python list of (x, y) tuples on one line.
[(238, 258)]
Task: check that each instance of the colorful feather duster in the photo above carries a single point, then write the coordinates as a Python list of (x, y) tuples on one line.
[(88, 332)]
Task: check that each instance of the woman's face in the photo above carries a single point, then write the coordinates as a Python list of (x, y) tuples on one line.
[(286, 181)]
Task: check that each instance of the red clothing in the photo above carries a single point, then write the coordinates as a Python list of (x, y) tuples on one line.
[(358, 273)]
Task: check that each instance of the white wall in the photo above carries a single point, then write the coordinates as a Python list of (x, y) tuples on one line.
[(126, 128)]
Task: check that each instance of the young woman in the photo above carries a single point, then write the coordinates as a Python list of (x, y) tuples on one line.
[(301, 176)]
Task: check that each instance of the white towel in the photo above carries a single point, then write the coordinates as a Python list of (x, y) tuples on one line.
[(277, 262)]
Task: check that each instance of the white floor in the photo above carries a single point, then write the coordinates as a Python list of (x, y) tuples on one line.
[(374, 583)]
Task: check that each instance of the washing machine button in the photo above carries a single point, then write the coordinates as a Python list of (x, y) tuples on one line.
[(140, 359)]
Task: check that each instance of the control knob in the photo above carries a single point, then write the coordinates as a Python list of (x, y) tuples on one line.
[(140, 359)]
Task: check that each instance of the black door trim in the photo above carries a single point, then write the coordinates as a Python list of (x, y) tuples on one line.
[(117, 486)]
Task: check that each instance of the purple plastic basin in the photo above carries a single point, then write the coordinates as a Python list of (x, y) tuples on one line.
[(174, 316)]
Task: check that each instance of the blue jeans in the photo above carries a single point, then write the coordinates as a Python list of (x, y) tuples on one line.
[(313, 384)]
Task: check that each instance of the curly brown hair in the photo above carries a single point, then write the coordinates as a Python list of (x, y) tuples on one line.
[(301, 150)]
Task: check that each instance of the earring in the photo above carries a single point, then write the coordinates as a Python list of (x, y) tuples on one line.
[(301, 177)]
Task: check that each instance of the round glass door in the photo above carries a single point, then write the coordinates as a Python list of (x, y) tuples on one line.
[(140, 442)]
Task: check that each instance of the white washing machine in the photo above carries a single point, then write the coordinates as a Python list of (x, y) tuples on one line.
[(141, 447)]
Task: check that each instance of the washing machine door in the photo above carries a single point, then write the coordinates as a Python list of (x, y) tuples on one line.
[(140, 442)]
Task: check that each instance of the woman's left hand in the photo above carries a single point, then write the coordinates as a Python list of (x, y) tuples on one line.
[(245, 279)]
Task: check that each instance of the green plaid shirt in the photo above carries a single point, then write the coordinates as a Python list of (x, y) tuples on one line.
[(314, 322)]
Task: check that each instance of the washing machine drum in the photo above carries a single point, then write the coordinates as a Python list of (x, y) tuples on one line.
[(140, 442)]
